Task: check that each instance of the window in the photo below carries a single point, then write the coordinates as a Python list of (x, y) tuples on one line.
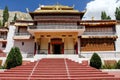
[(22, 43), (3, 44)]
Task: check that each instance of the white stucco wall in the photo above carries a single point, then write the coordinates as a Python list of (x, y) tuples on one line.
[(27, 47), (117, 43)]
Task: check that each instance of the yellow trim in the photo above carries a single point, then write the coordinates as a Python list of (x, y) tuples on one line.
[(55, 8)]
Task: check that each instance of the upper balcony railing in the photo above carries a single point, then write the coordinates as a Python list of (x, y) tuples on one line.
[(57, 27), (99, 33), (22, 34), (3, 37)]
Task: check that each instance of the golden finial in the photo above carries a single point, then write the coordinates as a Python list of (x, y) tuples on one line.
[(73, 5), (39, 5), (92, 17), (27, 10), (57, 3)]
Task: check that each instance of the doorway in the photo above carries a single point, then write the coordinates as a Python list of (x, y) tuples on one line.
[(56, 48), (57, 45)]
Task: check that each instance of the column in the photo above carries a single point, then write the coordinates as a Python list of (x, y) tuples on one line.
[(35, 48), (63, 45), (76, 47), (63, 48), (49, 48), (79, 47), (38, 48)]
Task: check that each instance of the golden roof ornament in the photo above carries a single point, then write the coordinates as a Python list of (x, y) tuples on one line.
[(57, 3), (27, 10), (92, 17), (55, 8), (73, 5)]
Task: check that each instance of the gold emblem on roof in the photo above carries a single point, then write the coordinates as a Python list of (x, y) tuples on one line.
[(55, 8)]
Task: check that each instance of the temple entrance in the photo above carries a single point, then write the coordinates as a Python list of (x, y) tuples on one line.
[(56, 49), (57, 46)]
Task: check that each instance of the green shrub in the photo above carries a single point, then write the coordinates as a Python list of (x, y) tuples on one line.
[(2, 67), (103, 67), (0, 62), (95, 61), (118, 64), (14, 58), (109, 66)]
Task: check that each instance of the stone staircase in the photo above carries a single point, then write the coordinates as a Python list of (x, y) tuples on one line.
[(55, 69)]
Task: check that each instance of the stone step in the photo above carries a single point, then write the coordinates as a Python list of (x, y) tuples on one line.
[(14, 78), (73, 73), (38, 73), (60, 69), (70, 71), (88, 75), (19, 73), (36, 78), (13, 75), (21, 69), (92, 78), (82, 78), (55, 69)]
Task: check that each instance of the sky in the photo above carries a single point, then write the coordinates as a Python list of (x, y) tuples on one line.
[(21, 5), (93, 7)]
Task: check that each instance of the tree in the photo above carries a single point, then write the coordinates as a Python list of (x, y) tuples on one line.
[(0, 23), (14, 58), (15, 17), (109, 18), (117, 13), (104, 16), (5, 15), (95, 61)]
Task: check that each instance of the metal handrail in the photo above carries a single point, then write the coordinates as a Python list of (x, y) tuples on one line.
[(19, 34), (46, 26), (3, 37), (99, 33)]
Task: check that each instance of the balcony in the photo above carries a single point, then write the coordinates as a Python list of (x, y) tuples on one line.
[(100, 34), (56, 28), (3, 38), (22, 36), (46, 26)]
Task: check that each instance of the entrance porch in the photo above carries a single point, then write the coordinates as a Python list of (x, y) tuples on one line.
[(56, 43)]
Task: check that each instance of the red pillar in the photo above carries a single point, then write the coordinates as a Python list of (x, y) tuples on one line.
[(62, 48), (38, 49), (48, 48), (35, 48), (76, 48)]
